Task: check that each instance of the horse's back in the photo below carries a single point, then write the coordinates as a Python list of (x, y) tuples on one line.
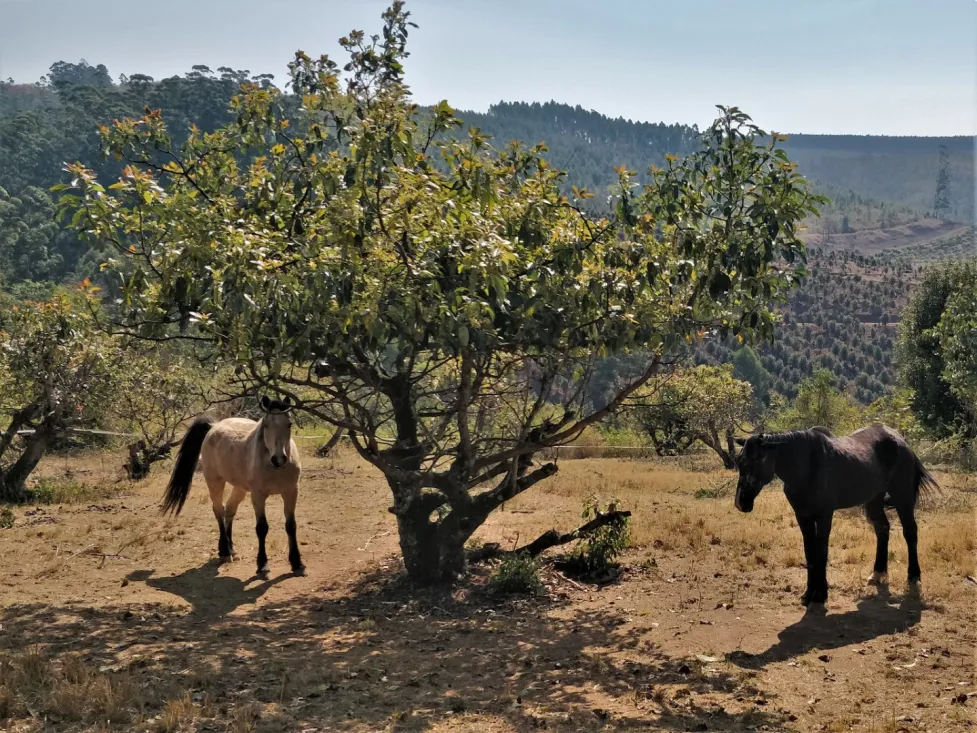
[(226, 450), (882, 447)]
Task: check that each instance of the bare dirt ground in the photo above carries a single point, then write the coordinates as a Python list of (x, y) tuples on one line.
[(112, 618)]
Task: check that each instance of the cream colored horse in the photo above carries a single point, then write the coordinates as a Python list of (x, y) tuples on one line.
[(257, 458)]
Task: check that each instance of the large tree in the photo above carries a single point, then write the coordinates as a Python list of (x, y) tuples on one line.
[(932, 355), (441, 300)]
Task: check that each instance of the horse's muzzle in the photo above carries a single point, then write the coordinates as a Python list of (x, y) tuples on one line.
[(744, 504), (745, 507)]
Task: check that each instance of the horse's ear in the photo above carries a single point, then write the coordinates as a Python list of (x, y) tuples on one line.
[(740, 441), (287, 402), (265, 403)]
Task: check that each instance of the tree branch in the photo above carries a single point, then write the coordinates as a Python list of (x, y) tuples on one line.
[(549, 539)]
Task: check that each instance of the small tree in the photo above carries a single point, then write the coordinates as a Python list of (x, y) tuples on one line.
[(56, 373), (704, 404), (456, 305), (819, 404), (154, 394)]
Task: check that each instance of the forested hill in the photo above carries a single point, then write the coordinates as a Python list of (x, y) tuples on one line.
[(874, 182), (872, 172), (901, 170), (585, 143)]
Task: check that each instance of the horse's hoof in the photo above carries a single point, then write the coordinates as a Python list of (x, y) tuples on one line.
[(299, 571), (814, 596), (224, 558), (262, 571), (878, 579), (914, 587), (816, 607)]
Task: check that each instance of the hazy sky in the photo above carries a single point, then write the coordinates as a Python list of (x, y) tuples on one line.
[(893, 67)]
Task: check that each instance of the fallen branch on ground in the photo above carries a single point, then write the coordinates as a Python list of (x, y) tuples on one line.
[(549, 539)]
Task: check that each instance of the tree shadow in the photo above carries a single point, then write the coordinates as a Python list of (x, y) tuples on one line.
[(874, 616), (210, 594), (380, 653)]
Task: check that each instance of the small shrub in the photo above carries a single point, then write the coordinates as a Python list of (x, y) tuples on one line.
[(49, 490), (715, 491), (6, 518), (597, 553), (517, 573)]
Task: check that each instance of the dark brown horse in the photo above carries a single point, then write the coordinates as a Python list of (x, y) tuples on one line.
[(873, 467)]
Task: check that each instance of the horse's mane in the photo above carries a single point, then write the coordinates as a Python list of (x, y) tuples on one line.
[(785, 437)]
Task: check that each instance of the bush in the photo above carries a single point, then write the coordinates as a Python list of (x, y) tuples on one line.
[(598, 552), (517, 573), (48, 490)]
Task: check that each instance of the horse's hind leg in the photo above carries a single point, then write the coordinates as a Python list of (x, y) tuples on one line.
[(216, 486), (261, 528), (294, 558), (908, 519), (230, 509), (875, 512)]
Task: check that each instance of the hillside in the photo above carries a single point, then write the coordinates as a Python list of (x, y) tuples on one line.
[(873, 181), (901, 170), (869, 241)]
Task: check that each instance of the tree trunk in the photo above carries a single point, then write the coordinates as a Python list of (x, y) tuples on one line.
[(711, 439), (12, 481), (420, 548), (432, 553)]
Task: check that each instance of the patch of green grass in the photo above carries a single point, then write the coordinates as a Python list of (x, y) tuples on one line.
[(6, 518), (50, 490)]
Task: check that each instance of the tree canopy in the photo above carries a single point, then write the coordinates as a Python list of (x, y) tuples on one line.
[(55, 371), (447, 312), (935, 348)]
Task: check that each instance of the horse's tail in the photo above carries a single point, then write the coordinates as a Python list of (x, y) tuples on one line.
[(925, 481), (186, 464)]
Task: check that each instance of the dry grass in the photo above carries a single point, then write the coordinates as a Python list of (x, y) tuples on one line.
[(133, 626), (65, 689)]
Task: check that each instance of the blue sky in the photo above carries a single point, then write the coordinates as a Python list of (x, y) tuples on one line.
[(896, 67)]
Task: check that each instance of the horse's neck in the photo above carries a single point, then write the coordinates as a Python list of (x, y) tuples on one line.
[(257, 435), (785, 459)]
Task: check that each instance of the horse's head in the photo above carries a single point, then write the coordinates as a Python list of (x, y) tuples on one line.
[(756, 465), (276, 430)]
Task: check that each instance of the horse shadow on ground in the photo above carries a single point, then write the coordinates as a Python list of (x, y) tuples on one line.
[(377, 653), (874, 616), (210, 594)]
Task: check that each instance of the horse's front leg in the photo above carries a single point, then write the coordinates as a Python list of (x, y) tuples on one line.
[(294, 557), (261, 528), (809, 531), (823, 523)]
